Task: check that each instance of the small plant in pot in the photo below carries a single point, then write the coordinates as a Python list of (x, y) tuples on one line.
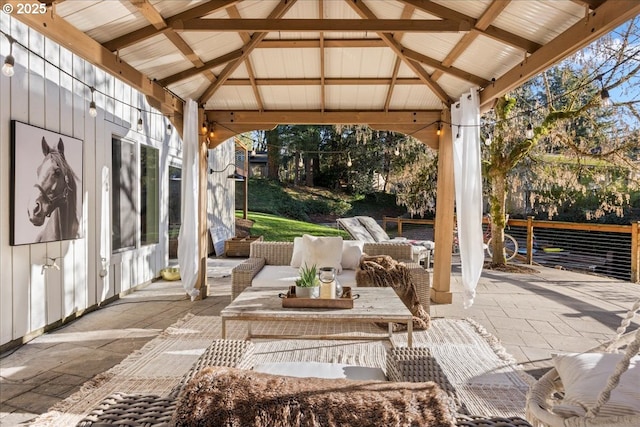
[(308, 285)]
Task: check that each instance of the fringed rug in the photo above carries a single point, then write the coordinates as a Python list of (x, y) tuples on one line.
[(486, 378)]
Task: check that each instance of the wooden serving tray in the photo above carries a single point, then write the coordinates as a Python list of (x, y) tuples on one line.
[(291, 301)]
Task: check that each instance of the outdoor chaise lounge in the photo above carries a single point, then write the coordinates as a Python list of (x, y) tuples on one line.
[(270, 264), (367, 229)]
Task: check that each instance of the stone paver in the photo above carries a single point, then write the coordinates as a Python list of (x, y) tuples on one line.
[(534, 315)]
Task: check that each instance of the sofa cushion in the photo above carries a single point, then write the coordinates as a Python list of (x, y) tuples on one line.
[(296, 258), (356, 229), (322, 251), (351, 254), (321, 370), (283, 276), (374, 228)]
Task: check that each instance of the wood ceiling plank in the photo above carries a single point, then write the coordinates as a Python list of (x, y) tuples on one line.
[(315, 43), (150, 13), (366, 13), (329, 81), (150, 31), (322, 63), (319, 25), (407, 13), (60, 31), (607, 17), (282, 8), (216, 62), (429, 62), (231, 118), (491, 31), (486, 19), (246, 38)]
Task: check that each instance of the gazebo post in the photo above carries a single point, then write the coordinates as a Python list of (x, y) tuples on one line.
[(443, 228), (203, 241)]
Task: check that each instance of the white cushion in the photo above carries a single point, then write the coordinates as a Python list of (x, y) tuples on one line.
[(372, 226), (296, 258), (351, 254), (347, 278), (323, 251), (321, 370), (283, 276), (585, 375)]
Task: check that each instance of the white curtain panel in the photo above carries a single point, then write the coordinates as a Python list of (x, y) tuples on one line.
[(465, 118), (188, 237)]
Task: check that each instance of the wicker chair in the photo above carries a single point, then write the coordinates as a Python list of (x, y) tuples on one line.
[(280, 253), (548, 391)]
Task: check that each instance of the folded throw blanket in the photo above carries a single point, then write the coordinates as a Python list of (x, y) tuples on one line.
[(384, 271), (229, 397)]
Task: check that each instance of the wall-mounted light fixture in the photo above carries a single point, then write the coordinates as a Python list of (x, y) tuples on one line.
[(235, 175)]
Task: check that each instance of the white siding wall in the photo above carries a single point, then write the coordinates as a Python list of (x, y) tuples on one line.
[(44, 95)]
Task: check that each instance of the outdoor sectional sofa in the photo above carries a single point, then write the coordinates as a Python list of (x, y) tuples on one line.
[(269, 264)]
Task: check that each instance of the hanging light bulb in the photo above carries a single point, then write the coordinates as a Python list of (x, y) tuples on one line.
[(212, 132), (205, 127), (604, 94), (487, 140), (9, 60), (529, 132), (349, 162), (253, 152), (606, 100), (300, 162), (92, 105), (439, 131), (397, 151), (169, 130)]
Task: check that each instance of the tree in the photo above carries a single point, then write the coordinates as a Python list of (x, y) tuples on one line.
[(569, 125)]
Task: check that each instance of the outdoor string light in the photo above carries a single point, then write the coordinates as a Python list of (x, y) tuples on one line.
[(92, 105), (349, 162), (212, 129), (169, 128), (604, 94), (140, 127), (529, 132), (300, 162), (9, 60)]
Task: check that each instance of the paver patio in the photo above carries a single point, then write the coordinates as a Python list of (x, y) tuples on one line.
[(533, 315)]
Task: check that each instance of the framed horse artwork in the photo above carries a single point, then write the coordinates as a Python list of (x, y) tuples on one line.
[(46, 185)]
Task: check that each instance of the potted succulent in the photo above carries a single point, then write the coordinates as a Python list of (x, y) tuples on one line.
[(308, 285)]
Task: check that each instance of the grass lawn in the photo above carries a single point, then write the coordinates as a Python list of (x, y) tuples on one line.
[(278, 229)]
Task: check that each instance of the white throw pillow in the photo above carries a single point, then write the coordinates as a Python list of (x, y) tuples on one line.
[(322, 251), (351, 254), (585, 375), (296, 258)]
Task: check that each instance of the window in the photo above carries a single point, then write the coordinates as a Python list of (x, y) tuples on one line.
[(123, 195), (135, 200), (149, 196)]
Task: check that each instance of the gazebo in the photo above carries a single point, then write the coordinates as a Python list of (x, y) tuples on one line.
[(396, 65)]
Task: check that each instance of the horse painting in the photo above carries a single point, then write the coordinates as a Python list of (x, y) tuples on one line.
[(54, 196)]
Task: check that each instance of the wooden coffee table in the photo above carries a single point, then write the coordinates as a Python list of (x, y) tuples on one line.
[(380, 305)]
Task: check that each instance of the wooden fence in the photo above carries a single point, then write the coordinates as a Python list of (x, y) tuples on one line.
[(609, 249)]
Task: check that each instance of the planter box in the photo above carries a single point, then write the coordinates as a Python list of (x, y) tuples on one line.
[(239, 246)]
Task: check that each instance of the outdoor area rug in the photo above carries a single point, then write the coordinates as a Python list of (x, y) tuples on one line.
[(486, 378)]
